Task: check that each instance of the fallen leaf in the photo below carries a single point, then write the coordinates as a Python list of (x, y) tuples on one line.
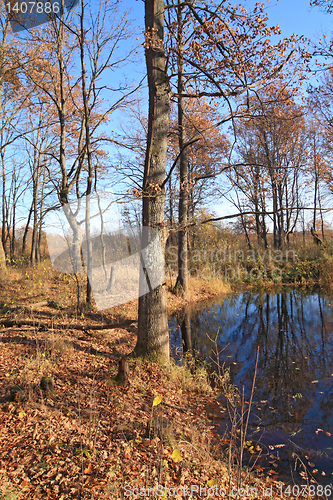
[(176, 456), (157, 400), (88, 470)]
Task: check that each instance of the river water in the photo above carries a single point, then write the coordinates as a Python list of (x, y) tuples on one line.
[(292, 414)]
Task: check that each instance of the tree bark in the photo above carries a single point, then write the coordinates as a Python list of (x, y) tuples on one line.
[(182, 279), (85, 100), (35, 192), (3, 171), (153, 335), (26, 230)]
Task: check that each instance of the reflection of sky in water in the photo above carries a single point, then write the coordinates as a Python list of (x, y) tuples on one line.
[(294, 387)]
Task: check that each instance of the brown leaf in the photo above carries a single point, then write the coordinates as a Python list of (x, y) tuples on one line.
[(88, 470)]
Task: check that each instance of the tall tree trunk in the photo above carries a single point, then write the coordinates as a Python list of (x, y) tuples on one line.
[(26, 230), (4, 209), (321, 216), (40, 221), (315, 195), (256, 203), (85, 99), (61, 107), (12, 229), (35, 181), (182, 279), (275, 214), (153, 335), (281, 216), (66, 183), (5, 32)]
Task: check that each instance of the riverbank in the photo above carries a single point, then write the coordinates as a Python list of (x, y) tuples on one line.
[(30, 286), (199, 291)]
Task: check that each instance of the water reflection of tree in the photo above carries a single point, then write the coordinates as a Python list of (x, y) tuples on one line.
[(184, 319), (295, 349), (290, 328), (284, 367)]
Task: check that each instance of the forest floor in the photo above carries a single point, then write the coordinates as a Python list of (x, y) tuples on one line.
[(78, 434)]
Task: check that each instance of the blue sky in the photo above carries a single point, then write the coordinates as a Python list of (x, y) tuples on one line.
[(293, 16), (296, 16)]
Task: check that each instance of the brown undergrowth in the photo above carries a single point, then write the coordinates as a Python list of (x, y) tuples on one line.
[(29, 286), (88, 437)]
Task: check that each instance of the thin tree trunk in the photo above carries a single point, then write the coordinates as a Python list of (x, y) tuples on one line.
[(40, 222), (321, 216), (182, 279), (4, 211), (3, 171), (61, 107), (275, 214), (35, 180), (85, 99), (12, 229), (26, 230), (314, 223)]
